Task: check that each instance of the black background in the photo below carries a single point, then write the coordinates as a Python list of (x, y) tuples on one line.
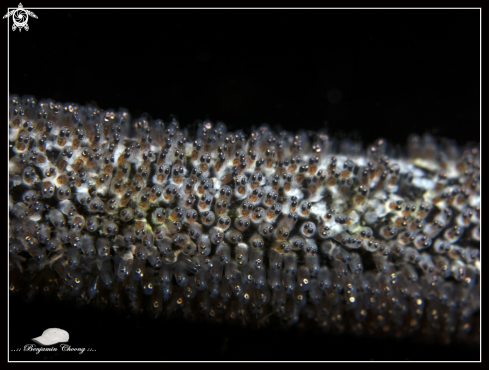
[(360, 73)]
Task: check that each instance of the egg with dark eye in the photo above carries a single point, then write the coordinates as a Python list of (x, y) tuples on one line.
[(223, 223), (234, 236), (242, 223), (276, 223)]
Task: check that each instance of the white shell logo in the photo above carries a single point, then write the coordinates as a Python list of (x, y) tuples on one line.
[(52, 336), (20, 17)]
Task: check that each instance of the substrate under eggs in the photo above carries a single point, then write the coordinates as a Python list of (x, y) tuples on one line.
[(272, 226)]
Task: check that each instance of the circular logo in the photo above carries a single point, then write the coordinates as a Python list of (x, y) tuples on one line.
[(20, 17)]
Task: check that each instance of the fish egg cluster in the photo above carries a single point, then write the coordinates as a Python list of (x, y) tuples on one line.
[(267, 226)]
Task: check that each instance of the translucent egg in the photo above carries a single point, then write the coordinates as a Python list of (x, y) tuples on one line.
[(204, 245), (224, 253), (208, 218), (241, 254), (256, 258), (275, 280), (265, 229), (275, 259), (56, 218), (290, 263), (233, 236), (256, 241), (282, 232), (216, 236), (195, 231), (308, 229), (223, 222), (242, 223), (231, 272)]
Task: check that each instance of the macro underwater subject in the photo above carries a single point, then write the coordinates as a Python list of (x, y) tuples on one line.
[(149, 216)]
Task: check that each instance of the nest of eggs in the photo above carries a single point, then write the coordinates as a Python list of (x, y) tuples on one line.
[(142, 215)]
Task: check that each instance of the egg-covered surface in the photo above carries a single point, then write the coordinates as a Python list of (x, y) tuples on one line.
[(145, 215)]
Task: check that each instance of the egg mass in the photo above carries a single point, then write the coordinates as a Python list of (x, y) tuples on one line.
[(270, 226)]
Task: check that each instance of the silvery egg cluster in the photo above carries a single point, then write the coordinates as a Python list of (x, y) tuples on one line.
[(147, 215)]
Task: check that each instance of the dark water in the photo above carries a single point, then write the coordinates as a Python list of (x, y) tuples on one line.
[(370, 73), (117, 336), (362, 74)]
